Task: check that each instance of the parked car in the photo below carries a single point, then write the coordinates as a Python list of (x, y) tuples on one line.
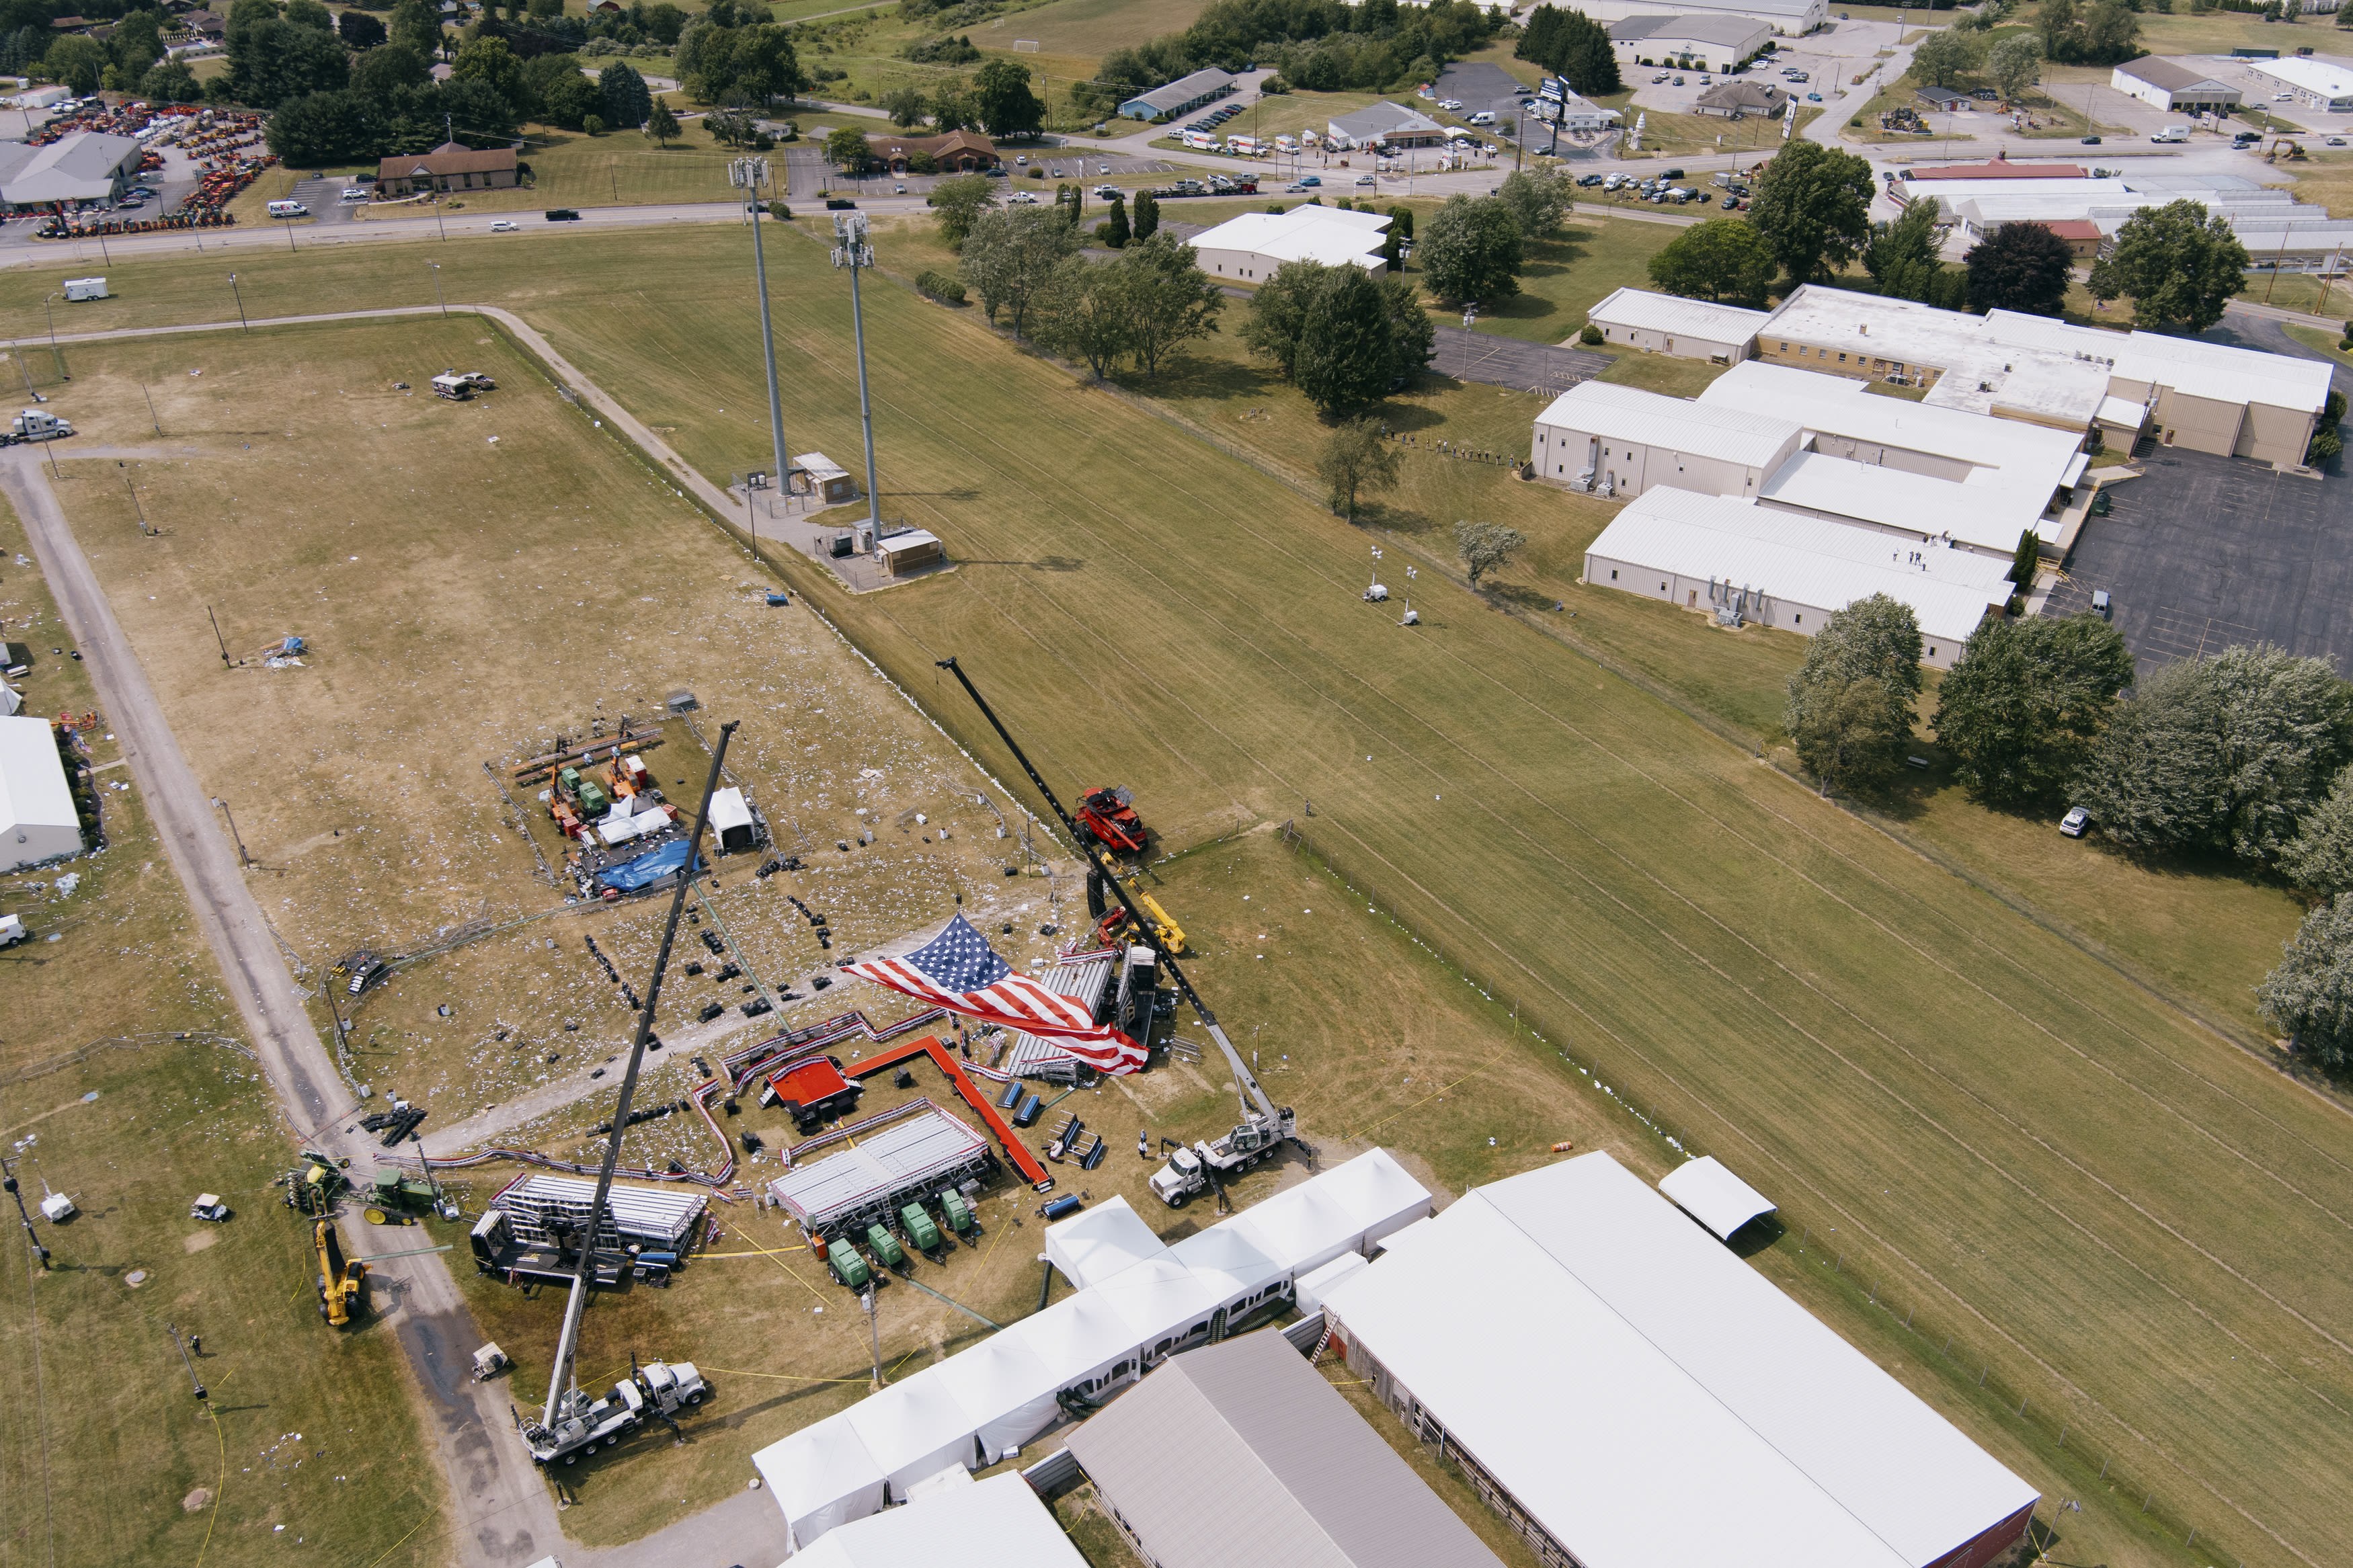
[(2075, 822), (899, 189), (1985, 95), (1588, 179), (505, 226), (1022, 198), (1731, 204), (1679, 81), (1311, 180), (1294, 189), (2336, 142), (1105, 192), (1364, 179), (565, 215), (1022, 161), (350, 192), (1813, 97), (127, 203), (1658, 78), (1102, 168), (1669, 176)]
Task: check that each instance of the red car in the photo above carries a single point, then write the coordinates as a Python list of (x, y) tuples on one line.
[(1107, 814)]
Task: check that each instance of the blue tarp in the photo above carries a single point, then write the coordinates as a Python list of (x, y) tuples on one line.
[(646, 869)]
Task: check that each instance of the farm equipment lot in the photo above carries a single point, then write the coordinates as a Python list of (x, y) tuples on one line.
[(2013, 1140)]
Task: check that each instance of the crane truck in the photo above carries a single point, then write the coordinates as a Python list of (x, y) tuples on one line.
[(572, 1422), (1264, 1127)]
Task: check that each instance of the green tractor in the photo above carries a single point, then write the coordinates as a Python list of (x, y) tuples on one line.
[(313, 1186), (396, 1198)]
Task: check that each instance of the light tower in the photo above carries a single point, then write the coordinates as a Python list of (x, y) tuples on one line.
[(750, 174), (850, 250)]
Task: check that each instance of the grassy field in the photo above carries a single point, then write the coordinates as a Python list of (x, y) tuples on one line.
[(1633, 884), (1086, 30), (103, 1451)]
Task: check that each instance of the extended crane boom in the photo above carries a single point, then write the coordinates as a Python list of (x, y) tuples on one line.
[(571, 1421), (1264, 1126)]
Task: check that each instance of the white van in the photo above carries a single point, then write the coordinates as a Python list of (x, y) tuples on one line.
[(1484, 117), (2172, 133), (289, 209)]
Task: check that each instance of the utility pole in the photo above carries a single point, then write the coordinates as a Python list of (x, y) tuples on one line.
[(850, 250), (240, 303), (56, 358), (242, 857), (145, 532), (195, 1383), (217, 635), (8, 1184), (152, 419), (16, 349), (437, 289), (873, 1333), (749, 174)]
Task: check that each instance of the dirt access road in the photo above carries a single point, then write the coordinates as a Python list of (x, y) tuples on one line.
[(502, 1514)]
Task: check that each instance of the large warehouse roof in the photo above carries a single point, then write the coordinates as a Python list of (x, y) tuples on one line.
[(1980, 376), (1655, 312), (33, 788), (84, 166), (1298, 1478), (1304, 234), (1981, 512), (2186, 364), (1736, 435), (1808, 559), (1693, 1414), (997, 1523)]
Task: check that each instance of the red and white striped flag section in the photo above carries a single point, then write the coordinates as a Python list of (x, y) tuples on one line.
[(957, 970)]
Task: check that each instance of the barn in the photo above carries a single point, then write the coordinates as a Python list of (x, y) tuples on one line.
[(1691, 1416)]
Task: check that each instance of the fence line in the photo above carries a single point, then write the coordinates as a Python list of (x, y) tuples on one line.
[(2049, 1427), (125, 1042)]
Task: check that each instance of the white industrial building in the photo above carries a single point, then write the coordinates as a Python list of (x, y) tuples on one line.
[(1622, 441), (1384, 125), (1249, 248), (2278, 231), (1690, 1414), (2176, 86), (38, 820), (1787, 17), (1748, 563), (2316, 83), (1000, 1522), (1670, 324), (84, 166), (1141, 1303), (1715, 41)]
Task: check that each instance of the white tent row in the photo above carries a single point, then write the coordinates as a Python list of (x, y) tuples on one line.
[(1142, 1301)]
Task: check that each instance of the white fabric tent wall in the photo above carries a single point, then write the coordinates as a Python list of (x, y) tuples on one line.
[(997, 1523), (1230, 1263), (1378, 1193), (1303, 1228), (914, 1429), (821, 1476), (1079, 1339), (1091, 1246), (1004, 1384), (1313, 1288), (1159, 1299)]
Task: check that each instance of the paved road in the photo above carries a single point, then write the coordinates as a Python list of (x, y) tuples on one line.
[(502, 1514)]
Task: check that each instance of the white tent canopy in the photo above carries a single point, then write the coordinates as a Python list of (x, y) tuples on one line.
[(1160, 1301), (997, 1523), (1091, 1246), (1712, 1195), (1378, 1193), (1079, 1339), (914, 1429), (1230, 1264), (1002, 1382), (821, 1476)]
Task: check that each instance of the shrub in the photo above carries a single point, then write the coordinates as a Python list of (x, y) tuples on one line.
[(940, 285), (762, 142), (780, 212), (2327, 443), (594, 124), (1036, 172), (1590, 335)]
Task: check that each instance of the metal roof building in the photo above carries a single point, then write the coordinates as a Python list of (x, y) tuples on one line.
[(1298, 1478), (1621, 440), (1789, 571), (2317, 84), (1670, 324), (997, 1523), (1249, 248), (1182, 96), (38, 820), (1711, 1194), (1691, 1416), (85, 167), (2181, 86)]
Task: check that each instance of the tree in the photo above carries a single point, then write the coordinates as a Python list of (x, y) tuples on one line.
[(1721, 258), (1009, 258), (960, 201), (1147, 214), (272, 61), (360, 30), (415, 24), (661, 125), (2177, 265), (2056, 22), (77, 61), (1084, 314), (309, 14), (846, 146), (2019, 267), (1813, 208), (1357, 457), (1473, 249), (2015, 64), (627, 99), (1945, 56), (382, 72), (952, 108), (170, 81), (1342, 359), (1115, 229), (1902, 243), (908, 106), (320, 128), (1485, 547), (2026, 698), (1849, 712), (558, 94), (137, 43), (491, 63), (2110, 33), (1169, 298), (2309, 998), (2027, 560), (1539, 198), (1007, 107), (2320, 856), (2227, 753), (1572, 45)]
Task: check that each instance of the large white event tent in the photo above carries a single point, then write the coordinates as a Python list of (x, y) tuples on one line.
[(997, 1395)]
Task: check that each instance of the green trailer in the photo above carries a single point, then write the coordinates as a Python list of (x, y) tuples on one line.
[(847, 1264), (886, 1245), (920, 1230), (958, 1215)]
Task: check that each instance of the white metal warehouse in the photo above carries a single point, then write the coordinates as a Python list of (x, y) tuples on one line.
[(38, 820), (1691, 1416), (1789, 571), (1622, 441), (1668, 324), (1249, 248)]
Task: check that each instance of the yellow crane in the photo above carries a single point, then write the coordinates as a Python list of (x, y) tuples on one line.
[(338, 1280)]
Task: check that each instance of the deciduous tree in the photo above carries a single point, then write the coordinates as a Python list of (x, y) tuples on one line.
[(1009, 258), (360, 30), (1001, 96), (1171, 300), (1722, 259), (960, 201), (907, 105), (2026, 698), (2309, 998), (1082, 314), (2320, 856), (2015, 64), (1485, 547), (1813, 208), (1849, 710), (2020, 267), (1947, 55), (1540, 198), (1901, 243), (2177, 264), (1474, 250), (846, 148), (1357, 457)]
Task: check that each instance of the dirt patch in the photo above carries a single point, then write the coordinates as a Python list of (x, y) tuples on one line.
[(198, 1501), (199, 1241)]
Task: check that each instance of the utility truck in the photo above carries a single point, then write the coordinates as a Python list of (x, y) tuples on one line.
[(659, 1391)]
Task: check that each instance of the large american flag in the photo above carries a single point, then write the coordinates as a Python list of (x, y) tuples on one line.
[(959, 971)]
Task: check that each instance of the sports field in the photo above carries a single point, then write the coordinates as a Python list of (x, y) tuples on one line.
[(1983, 1124)]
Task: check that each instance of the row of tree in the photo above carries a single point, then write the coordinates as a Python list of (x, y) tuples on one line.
[(1024, 264), (1573, 47), (1321, 45)]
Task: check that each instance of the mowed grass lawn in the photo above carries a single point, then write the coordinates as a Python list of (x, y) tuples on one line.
[(2105, 1202)]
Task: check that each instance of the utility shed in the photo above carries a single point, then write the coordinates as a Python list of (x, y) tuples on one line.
[(37, 821), (1298, 1476), (1705, 1190), (1691, 1414), (1000, 1522)]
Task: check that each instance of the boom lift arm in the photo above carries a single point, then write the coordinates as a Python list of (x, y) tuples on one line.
[(1258, 1112)]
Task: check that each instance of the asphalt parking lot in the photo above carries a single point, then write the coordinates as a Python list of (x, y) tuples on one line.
[(1540, 368), (2205, 553)]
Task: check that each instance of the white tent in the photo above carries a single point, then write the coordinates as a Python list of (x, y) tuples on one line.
[(1235, 1269), (914, 1429), (1009, 1391), (1378, 1192), (1301, 1229), (1313, 1288), (997, 1523), (1712, 1195), (1161, 1303), (1091, 1246), (1079, 1339), (820, 1477), (37, 821)]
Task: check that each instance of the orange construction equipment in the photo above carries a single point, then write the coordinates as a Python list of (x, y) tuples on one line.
[(1035, 1173)]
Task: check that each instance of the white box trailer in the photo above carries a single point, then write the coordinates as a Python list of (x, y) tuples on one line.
[(84, 288)]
